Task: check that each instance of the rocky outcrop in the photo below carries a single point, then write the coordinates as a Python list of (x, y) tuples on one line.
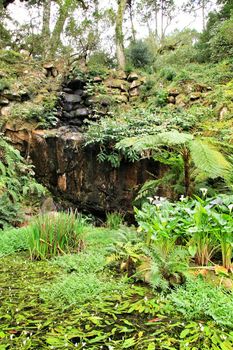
[(93, 97), (188, 93), (63, 164), (72, 171)]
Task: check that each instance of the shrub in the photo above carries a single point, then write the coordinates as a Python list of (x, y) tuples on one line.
[(16, 184), (114, 220), (161, 98), (10, 56), (221, 43), (4, 84), (168, 73), (139, 54), (169, 265), (13, 240), (55, 234), (199, 300), (146, 90), (100, 59)]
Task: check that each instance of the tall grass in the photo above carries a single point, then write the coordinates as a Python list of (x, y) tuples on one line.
[(56, 234), (114, 220)]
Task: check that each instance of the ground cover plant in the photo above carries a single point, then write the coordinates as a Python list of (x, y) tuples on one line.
[(128, 288)]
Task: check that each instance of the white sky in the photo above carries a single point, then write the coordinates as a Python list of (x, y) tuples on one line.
[(20, 13)]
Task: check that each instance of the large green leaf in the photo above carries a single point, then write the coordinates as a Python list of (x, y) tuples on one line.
[(170, 138), (208, 159)]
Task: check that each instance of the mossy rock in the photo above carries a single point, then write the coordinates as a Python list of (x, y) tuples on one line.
[(117, 84)]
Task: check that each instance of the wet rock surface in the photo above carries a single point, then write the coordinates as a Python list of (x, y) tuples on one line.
[(61, 161), (73, 171)]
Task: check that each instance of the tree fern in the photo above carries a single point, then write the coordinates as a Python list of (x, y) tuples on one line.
[(203, 154), (208, 159)]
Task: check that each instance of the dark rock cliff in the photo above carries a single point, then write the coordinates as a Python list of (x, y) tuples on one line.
[(72, 171)]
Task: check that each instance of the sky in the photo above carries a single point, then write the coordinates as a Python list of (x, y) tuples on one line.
[(21, 14)]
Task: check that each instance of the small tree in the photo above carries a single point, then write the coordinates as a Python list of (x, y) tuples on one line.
[(139, 54)]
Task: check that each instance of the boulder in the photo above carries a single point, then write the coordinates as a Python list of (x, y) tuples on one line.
[(195, 96), (174, 92), (117, 84), (12, 96), (48, 65), (5, 111), (48, 205), (202, 87), (223, 111), (134, 92), (68, 107), (97, 79), (70, 98), (180, 100), (133, 76), (81, 112), (3, 101), (121, 75), (79, 92), (75, 122), (135, 83), (67, 90), (171, 99), (121, 98), (51, 70)]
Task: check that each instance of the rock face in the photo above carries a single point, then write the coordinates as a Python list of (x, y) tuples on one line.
[(73, 171)]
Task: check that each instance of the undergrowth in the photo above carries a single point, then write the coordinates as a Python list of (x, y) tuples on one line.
[(13, 240)]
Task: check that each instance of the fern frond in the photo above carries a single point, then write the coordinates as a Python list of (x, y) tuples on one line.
[(174, 138), (148, 188), (208, 159)]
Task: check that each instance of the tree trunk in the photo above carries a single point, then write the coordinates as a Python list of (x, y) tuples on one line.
[(162, 20), (96, 3), (119, 34), (46, 25), (186, 159), (156, 24), (131, 22), (58, 29), (203, 14)]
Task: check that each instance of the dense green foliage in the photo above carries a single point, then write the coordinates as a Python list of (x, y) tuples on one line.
[(201, 224), (139, 54), (54, 234), (77, 301), (16, 184), (210, 302)]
